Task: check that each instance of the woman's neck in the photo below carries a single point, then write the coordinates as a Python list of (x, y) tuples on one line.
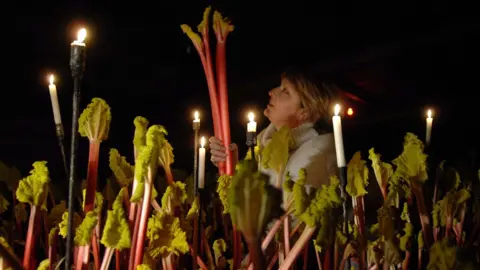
[(290, 124)]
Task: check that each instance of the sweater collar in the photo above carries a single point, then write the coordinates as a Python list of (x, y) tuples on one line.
[(301, 134)]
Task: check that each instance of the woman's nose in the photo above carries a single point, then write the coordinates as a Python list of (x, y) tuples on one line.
[(271, 93)]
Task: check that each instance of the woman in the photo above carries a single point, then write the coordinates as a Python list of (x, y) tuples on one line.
[(297, 103)]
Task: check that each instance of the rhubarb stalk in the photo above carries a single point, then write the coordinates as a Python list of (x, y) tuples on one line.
[(222, 28), (145, 172), (205, 58), (116, 233), (31, 239), (94, 123), (297, 248), (33, 190)]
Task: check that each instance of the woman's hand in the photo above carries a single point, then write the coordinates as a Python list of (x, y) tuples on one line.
[(219, 153)]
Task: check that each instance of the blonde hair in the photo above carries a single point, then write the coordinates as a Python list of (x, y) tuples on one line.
[(316, 100)]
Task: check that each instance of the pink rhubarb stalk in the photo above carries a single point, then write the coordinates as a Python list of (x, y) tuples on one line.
[(297, 248), (92, 175), (206, 59), (222, 28), (424, 215), (286, 234), (94, 123), (204, 29), (107, 258), (30, 242), (142, 227), (52, 253)]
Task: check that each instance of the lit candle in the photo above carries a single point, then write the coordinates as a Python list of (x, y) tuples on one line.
[(196, 118), (428, 134), (337, 131), (252, 125), (201, 164), (82, 34), (77, 54), (53, 96)]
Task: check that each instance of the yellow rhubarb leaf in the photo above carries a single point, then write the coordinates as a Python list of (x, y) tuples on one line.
[(116, 233), (33, 189), (122, 170), (357, 176), (94, 122), (275, 153), (222, 26)]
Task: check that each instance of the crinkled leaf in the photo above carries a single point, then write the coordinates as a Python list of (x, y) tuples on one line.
[(166, 236), (33, 189), (123, 171), (63, 224), (382, 170), (447, 207), (299, 193), (193, 211), (323, 201), (219, 247), (253, 202), (98, 201), (275, 154), (52, 234), (174, 196), (224, 182), (442, 255), (116, 233), (94, 122), (141, 124), (412, 162), (357, 176), (84, 232)]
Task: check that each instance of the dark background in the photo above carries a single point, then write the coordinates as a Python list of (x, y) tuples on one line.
[(399, 57)]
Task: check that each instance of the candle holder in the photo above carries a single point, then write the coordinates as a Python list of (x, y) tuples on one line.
[(61, 137), (77, 67), (344, 195), (251, 142), (197, 222), (196, 128)]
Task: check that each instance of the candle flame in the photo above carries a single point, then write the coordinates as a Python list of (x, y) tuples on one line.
[(429, 113), (350, 111), (196, 115), (337, 109), (251, 116), (82, 34), (202, 142), (51, 78)]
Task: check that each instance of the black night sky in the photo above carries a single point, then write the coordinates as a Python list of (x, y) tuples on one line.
[(398, 58)]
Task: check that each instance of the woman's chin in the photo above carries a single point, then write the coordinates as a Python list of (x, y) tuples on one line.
[(266, 112)]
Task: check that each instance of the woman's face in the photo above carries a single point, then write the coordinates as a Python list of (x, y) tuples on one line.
[(284, 107)]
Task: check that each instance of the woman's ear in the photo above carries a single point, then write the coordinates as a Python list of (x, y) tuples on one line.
[(303, 115)]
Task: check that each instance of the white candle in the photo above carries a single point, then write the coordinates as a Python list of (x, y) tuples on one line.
[(53, 96), (428, 133), (82, 34), (201, 164), (337, 131), (252, 125), (196, 118)]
